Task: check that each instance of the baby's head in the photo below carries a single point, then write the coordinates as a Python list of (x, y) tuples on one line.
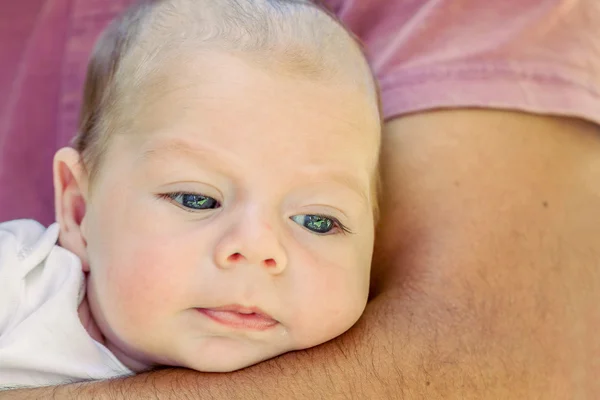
[(222, 190)]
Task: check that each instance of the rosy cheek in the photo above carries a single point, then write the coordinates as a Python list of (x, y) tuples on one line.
[(339, 296), (327, 304), (141, 281)]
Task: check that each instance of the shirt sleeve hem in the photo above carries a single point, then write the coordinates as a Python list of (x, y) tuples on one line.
[(482, 86)]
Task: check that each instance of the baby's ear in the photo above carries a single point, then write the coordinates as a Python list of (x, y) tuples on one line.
[(70, 198)]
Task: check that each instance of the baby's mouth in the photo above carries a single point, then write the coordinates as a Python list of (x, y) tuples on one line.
[(239, 317)]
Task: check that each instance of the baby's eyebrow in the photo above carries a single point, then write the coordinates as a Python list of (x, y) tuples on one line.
[(203, 155), (162, 147), (340, 177), (165, 149)]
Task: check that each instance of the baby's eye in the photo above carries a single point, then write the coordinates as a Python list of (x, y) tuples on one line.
[(193, 201), (318, 223)]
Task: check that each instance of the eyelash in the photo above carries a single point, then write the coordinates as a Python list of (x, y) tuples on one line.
[(172, 195), (343, 228)]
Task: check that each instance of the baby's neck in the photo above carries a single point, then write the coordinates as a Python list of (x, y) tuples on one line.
[(88, 322)]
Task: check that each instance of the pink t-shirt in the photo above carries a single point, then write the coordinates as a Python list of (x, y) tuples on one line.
[(540, 56)]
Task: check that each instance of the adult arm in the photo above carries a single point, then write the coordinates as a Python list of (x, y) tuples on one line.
[(487, 282)]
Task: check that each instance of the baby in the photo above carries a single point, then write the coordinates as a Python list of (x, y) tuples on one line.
[(218, 208)]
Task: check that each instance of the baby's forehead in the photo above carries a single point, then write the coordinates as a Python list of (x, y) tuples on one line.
[(223, 85), (223, 91), (226, 102)]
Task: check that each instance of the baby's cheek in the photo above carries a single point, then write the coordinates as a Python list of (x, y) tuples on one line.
[(330, 305), (142, 286)]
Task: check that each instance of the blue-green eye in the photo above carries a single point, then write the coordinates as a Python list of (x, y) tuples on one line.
[(318, 223), (194, 201)]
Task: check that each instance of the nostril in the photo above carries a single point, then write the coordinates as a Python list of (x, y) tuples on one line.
[(270, 263), (235, 257)]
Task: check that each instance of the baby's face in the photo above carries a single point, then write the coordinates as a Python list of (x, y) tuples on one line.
[(235, 221)]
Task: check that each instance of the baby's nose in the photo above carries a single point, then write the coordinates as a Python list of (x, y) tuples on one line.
[(239, 248), (270, 263)]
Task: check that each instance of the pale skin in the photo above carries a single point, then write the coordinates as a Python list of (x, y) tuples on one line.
[(489, 283), (160, 269)]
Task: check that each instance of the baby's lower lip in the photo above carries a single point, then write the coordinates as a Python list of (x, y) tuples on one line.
[(234, 319)]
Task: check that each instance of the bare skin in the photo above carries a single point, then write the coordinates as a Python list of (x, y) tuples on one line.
[(487, 282)]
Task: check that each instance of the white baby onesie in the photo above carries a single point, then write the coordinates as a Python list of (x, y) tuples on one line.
[(42, 341)]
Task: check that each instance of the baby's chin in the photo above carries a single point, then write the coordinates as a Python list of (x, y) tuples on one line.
[(232, 353), (202, 364), (224, 352), (228, 361)]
